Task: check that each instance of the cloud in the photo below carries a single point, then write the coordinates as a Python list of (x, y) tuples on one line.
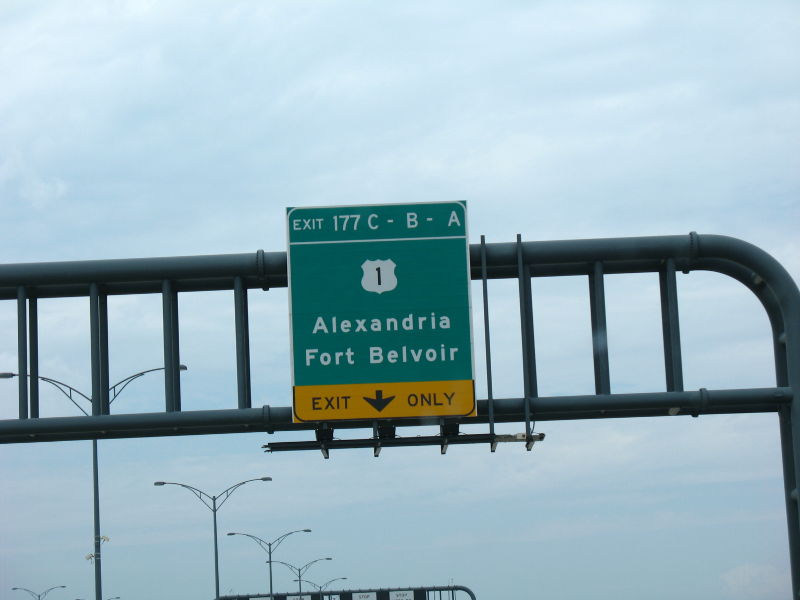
[(754, 582), (21, 182)]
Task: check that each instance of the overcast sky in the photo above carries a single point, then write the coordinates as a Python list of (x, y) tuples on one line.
[(139, 128)]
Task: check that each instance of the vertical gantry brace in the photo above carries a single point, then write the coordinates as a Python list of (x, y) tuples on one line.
[(528, 344), (673, 365), (98, 318), (786, 430), (172, 382), (33, 344), (487, 345), (790, 490), (597, 301), (22, 351), (28, 354), (242, 343)]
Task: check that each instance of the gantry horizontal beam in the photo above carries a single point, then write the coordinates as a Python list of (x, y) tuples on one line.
[(271, 419), (268, 269)]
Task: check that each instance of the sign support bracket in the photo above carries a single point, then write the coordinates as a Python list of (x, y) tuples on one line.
[(324, 434), (528, 353), (488, 345)]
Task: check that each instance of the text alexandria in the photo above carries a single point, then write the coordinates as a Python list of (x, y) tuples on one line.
[(410, 322)]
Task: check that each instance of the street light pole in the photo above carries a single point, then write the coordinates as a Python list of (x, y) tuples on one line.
[(300, 570), (213, 507), (98, 541), (70, 393), (38, 596), (268, 547)]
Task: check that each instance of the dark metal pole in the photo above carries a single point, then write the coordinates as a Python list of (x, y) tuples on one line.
[(22, 351), (176, 354), (94, 321), (487, 345), (98, 583), (97, 409), (102, 332), (786, 293), (790, 496), (670, 325), (216, 552), (169, 359), (597, 299), (242, 343), (33, 342), (269, 551)]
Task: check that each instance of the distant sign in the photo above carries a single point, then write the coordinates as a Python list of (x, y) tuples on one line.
[(380, 311), (401, 595)]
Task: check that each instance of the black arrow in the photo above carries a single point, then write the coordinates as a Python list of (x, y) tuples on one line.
[(379, 402)]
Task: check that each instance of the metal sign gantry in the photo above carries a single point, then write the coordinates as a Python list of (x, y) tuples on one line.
[(523, 261)]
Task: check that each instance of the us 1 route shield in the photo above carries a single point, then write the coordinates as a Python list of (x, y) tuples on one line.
[(380, 312)]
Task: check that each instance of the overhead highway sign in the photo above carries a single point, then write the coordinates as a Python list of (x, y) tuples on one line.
[(380, 311)]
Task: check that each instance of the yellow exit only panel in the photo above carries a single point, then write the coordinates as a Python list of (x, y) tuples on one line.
[(367, 401)]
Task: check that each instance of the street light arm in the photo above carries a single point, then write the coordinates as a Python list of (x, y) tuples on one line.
[(292, 568), (38, 596), (201, 495), (319, 587), (306, 566), (327, 583), (124, 382), (224, 495), (277, 541), (62, 387), (262, 543), (211, 501), (67, 390)]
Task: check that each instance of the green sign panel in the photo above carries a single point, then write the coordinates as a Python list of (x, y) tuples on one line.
[(380, 311)]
